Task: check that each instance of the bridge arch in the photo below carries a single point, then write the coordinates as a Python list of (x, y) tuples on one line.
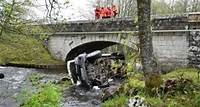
[(68, 46), (89, 47)]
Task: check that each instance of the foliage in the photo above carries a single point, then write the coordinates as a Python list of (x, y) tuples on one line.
[(48, 96), (160, 7), (35, 79), (187, 73), (181, 86), (155, 101), (12, 15), (154, 81), (24, 95), (196, 100), (133, 85), (117, 101), (130, 67), (179, 89), (23, 49)]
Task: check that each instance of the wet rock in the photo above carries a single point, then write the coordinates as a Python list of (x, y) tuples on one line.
[(8, 102), (112, 89), (137, 101), (1, 76), (76, 96), (95, 88), (167, 68), (65, 79), (138, 66)]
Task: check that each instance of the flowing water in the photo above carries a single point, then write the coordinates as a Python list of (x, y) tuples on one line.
[(16, 80)]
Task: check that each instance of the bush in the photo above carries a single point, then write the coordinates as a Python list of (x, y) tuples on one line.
[(197, 100), (116, 101), (133, 85), (180, 89), (48, 96), (35, 79)]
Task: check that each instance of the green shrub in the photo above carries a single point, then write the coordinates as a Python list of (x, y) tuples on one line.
[(153, 80), (183, 93), (133, 85), (197, 100), (48, 96), (155, 101), (187, 73), (35, 79), (130, 67), (116, 101)]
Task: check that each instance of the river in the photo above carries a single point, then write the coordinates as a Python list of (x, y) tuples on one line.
[(16, 80)]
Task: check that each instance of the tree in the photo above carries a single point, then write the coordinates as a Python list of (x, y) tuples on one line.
[(53, 8), (160, 7), (127, 8), (195, 5), (181, 6), (146, 46), (12, 15)]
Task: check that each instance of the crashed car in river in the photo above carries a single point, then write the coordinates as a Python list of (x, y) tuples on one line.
[(95, 69)]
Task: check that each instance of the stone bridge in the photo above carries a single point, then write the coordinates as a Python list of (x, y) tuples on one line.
[(172, 37)]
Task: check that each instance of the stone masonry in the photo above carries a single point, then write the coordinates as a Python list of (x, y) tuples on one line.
[(194, 49), (176, 39)]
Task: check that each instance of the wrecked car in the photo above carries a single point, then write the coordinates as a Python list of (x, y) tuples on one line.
[(95, 69)]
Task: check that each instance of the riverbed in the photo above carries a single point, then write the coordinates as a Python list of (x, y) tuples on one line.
[(17, 79)]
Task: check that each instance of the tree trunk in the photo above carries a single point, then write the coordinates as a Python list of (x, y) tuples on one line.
[(146, 46)]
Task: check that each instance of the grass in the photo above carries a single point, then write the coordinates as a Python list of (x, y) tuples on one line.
[(116, 101), (23, 49), (42, 94), (135, 85), (49, 95), (189, 73), (35, 79)]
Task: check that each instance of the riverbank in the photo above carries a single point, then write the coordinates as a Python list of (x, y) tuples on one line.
[(180, 88), (20, 49), (21, 87)]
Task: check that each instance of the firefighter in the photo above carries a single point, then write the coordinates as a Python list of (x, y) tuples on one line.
[(106, 12), (115, 10), (103, 12), (109, 12), (97, 12)]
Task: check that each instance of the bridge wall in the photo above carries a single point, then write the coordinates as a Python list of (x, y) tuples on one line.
[(122, 24), (174, 40), (169, 47), (73, 44)]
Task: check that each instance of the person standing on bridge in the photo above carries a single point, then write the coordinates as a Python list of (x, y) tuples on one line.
[(97, 12), (115, 10)]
